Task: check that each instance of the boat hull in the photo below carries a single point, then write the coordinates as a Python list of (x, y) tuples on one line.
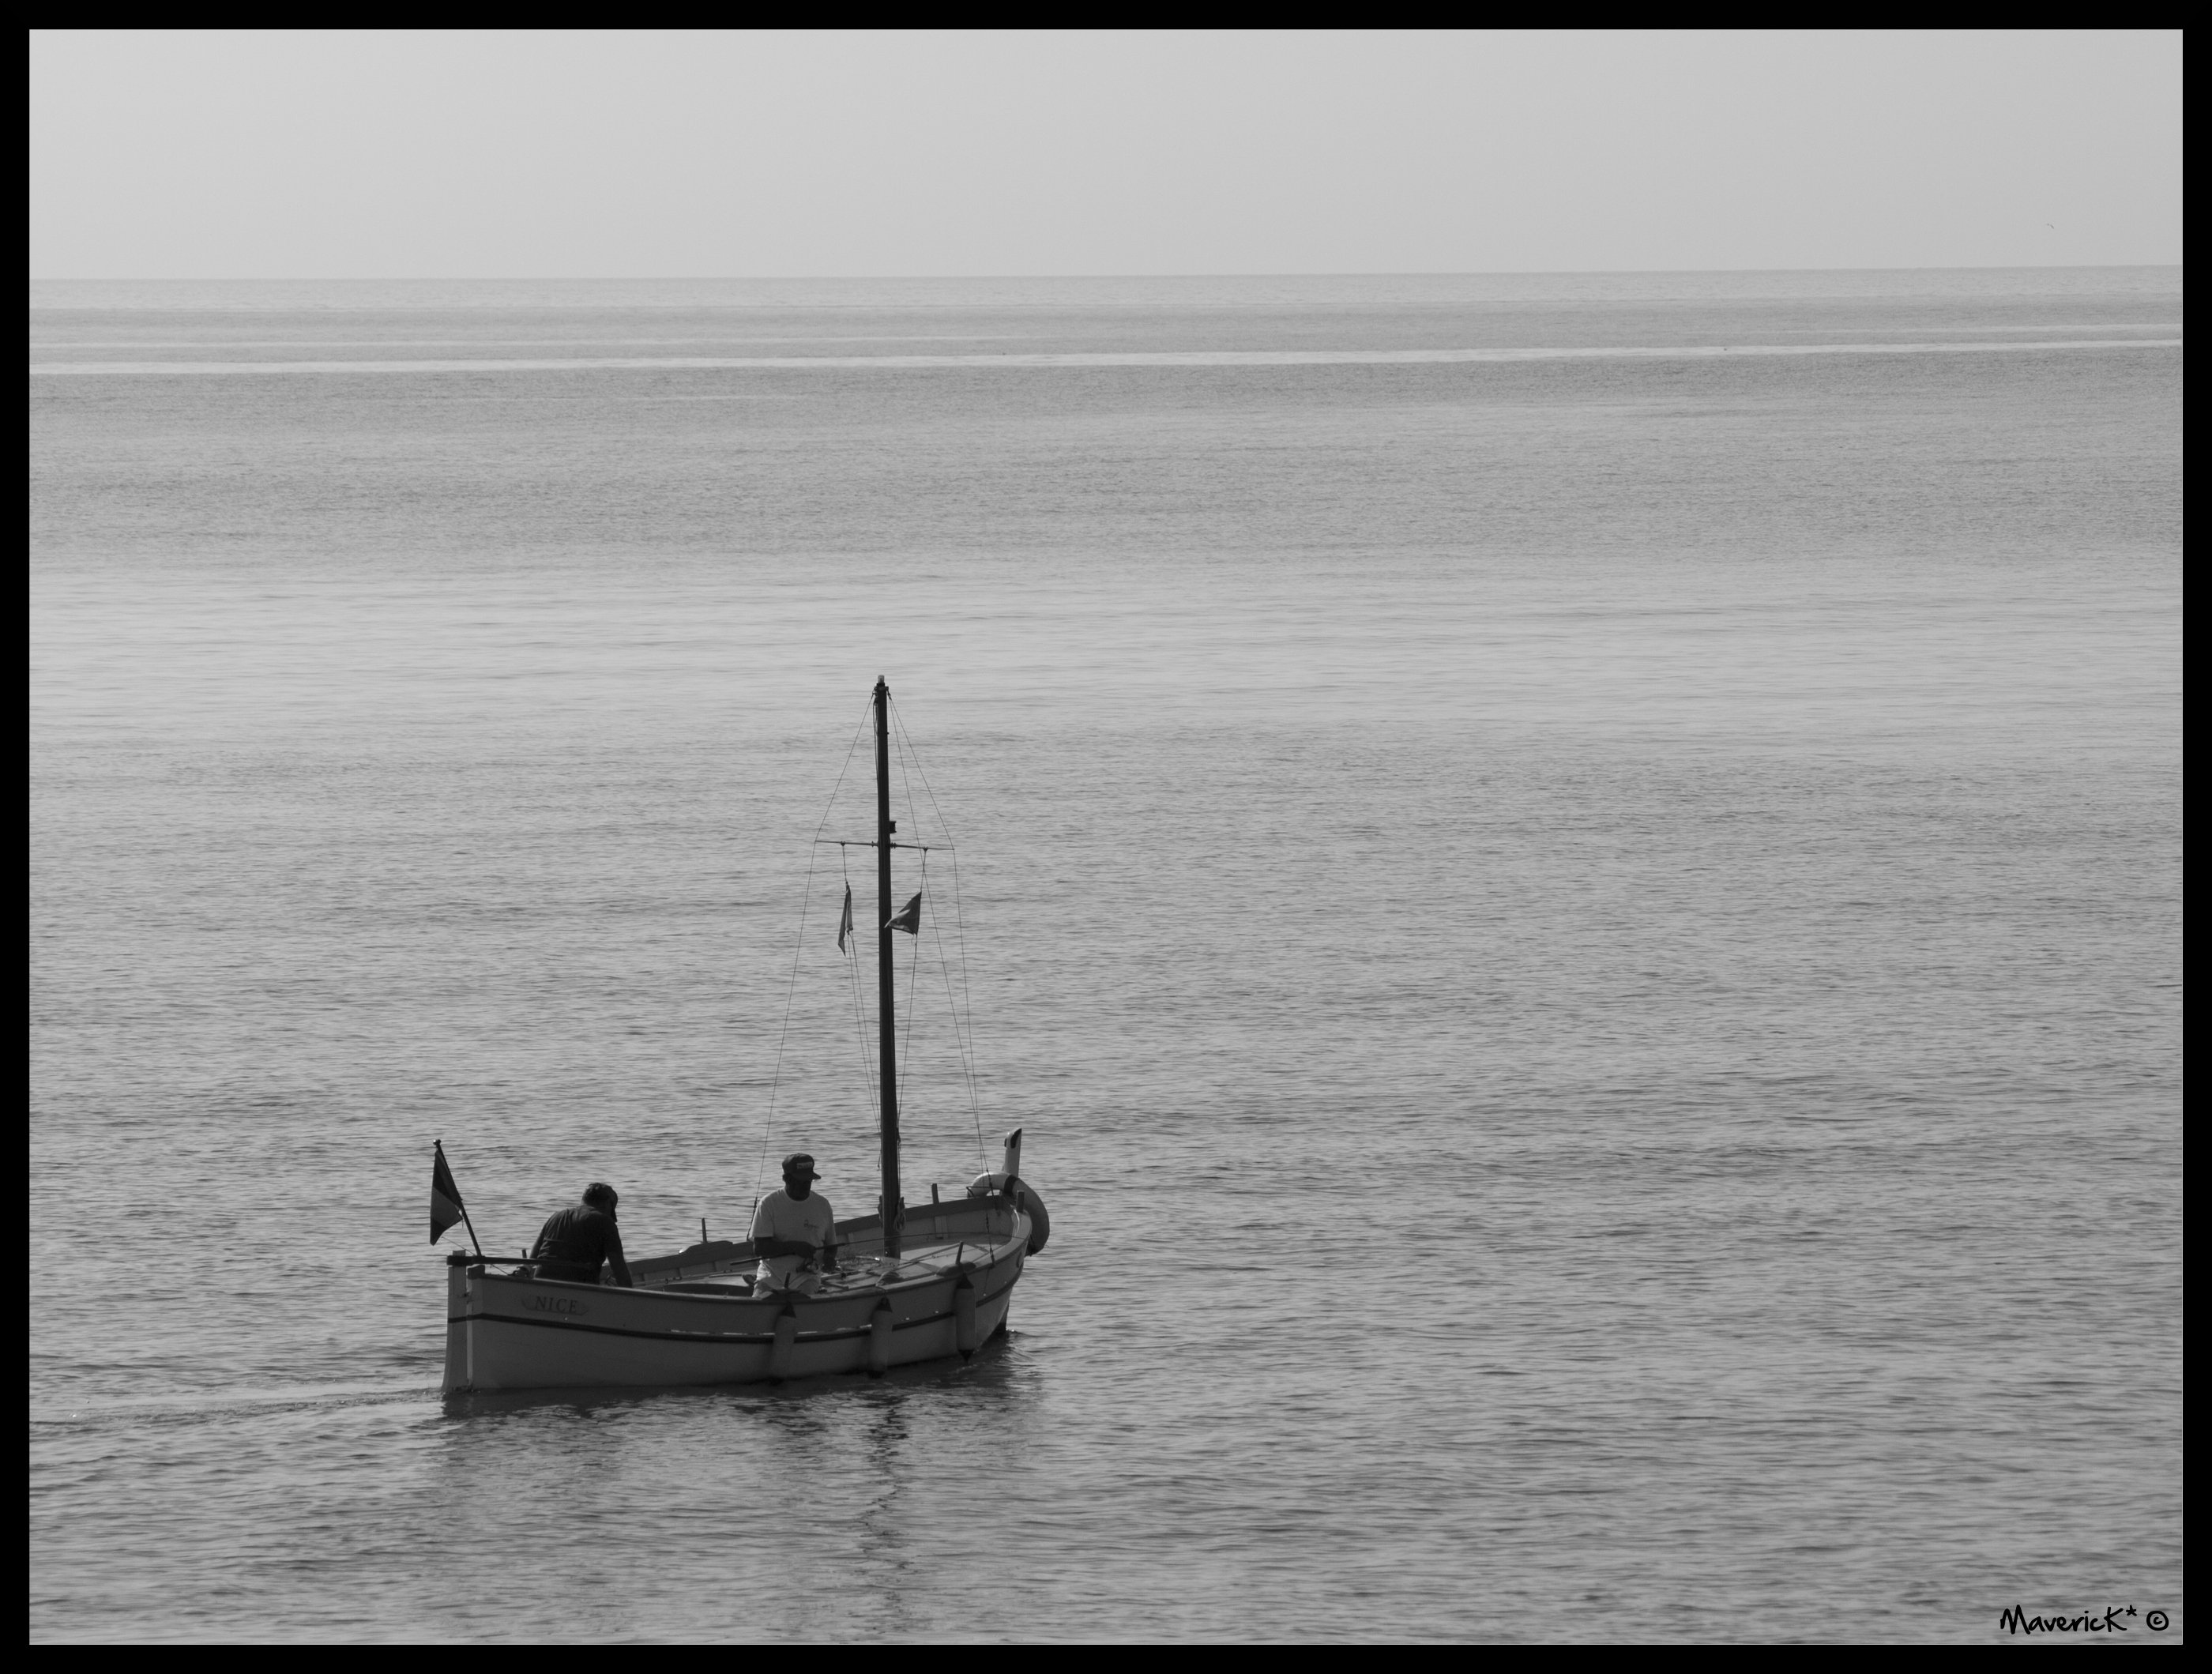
[(515, 1332)]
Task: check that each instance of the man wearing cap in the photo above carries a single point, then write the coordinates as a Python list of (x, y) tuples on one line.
[(576, 1242), (791, 1228)]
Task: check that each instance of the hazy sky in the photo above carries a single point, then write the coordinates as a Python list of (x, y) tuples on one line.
[(186, 156)]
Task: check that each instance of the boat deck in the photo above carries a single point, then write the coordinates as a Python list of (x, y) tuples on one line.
[(734, 1278), (938, 1237)]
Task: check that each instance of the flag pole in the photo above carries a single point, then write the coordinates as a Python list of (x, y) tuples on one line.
[(439, 1146)]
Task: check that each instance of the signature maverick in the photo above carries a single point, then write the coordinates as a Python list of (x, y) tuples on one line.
[(2018, 1621)]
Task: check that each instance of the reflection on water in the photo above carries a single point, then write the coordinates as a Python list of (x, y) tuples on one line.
[(723, 1513), (981, 1372)]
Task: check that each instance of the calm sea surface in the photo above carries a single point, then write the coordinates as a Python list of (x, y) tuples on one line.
[(1576, 879)]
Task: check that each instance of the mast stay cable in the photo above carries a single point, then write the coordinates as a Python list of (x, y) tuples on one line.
[(859, 1011), (799, 946), (964, 1037)]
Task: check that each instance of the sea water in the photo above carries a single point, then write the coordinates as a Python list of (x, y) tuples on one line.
[(1575, 879)]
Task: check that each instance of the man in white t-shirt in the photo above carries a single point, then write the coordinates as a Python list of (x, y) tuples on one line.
[(793, 1230)]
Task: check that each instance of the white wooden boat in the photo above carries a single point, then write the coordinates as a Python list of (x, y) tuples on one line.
[(693, 1319), (935, 1281)]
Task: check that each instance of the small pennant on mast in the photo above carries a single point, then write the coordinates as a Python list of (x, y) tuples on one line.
[(845, 919), (908, 918)]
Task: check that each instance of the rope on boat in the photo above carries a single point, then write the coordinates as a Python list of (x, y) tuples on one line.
[(799, 946), (962, 1034), (906, 1045), (965, 1042), (860, 1008), (964, 1028), (963, 1037)]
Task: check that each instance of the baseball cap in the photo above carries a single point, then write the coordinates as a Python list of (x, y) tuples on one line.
[(801, 1163)]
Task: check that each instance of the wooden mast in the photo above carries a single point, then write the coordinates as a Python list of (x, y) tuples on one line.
[(894, 1207)]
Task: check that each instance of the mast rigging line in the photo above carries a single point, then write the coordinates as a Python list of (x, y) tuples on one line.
[(964, 1027), (860, 1010), (964, 1037), (906, 1044), (966, 1043), (799, 946)]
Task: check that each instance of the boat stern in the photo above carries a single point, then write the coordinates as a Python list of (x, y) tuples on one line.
[(458, 1297)]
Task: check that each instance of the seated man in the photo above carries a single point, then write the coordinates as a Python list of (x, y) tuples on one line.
[(574, 1242), (790, 1227)]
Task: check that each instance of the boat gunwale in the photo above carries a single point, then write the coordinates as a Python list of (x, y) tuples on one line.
[(833, 1334), (715, 1339), (1009, 1246)]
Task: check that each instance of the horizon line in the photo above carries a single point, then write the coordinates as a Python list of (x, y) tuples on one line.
[(1282, 273)]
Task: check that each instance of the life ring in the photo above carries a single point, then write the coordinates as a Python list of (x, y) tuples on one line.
[(1025, 1199)]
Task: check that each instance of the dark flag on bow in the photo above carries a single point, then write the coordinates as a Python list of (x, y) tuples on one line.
[(845, 920), (446, 1205), (908, 918)]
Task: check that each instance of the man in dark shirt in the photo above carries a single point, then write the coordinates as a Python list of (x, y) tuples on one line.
[(576, 1241)]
